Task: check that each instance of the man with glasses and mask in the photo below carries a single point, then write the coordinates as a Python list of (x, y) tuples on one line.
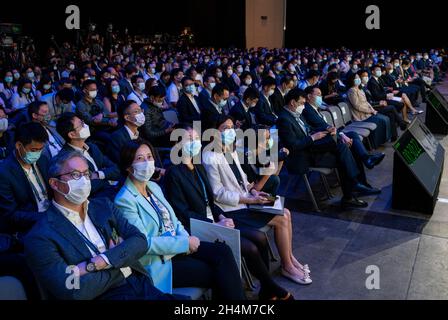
[(88, 239), (105, 173), (23, 180)]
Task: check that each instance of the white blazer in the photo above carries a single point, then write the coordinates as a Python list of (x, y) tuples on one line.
[(226, 190)]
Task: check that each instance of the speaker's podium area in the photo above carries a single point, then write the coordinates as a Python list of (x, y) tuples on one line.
[(397, 247)]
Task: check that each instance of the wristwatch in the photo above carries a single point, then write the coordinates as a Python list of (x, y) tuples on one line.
[(90, 266)]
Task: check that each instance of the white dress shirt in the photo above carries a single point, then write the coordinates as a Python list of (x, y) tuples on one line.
[(131, 134), (37, 185), (88, 229), (85, 153)]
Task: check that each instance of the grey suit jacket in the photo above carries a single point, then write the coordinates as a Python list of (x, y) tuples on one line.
[(54, 244)]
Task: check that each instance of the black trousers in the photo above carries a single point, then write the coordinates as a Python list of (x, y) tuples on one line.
[(137, 287), (395, 119), (359, 153), (212, 266)]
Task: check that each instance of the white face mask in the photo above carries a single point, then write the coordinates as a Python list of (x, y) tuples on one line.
[(143, 171), (78, 190), (270, 92), (300, 109), (139, 119), (248, 82), (92, 94), (3, 124), (84, 133)]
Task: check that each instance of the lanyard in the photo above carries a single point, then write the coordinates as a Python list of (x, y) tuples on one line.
[(136, 94), (203, 187), (157, 210), (89, 243), (33, 187)]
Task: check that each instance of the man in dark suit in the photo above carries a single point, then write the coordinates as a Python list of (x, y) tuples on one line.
[(206, 94), (76, 132), (90, 251), (125, 83), (278, 97), (264, 110), (377, 90), (313, 146), (188, 105), (242, 111), (23, 180), (214, 107)]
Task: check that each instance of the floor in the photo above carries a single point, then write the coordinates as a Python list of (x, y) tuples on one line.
[(408, 252)]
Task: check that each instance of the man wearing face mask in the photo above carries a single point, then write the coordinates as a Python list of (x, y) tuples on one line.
[(23, 180), (59, 102), (277, 99), (242, 112), (39, 112), (206, 93), (174, 90), (138, 95), (309, 147), (215, 107), (104, 172), (264, 111), (189, 107), (91, 235)]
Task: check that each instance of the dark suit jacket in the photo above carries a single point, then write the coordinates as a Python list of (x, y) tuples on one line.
[(203, 97), (277, 101), (125, 87), (186, 110), (376, 89), (117, 140), (239, 113), (18, 207), (296, 141), (54, 244), (313, 118), (264, 112), (209, 115), (187, 197), (110, 169)]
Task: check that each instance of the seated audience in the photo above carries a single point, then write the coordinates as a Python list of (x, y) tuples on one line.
[(189, 106)]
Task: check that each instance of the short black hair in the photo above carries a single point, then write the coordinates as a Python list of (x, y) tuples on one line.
[(286, 79), (33, 107), (123, 107), (66, 94), (219, 89), (268, 81), (294, 94), (310, 89), (87, 83), (64, 125), (184, 79), (130, 69), (250, 93), (312, 73), (135, 78), (157, 91), (29, 132), (221, 119)]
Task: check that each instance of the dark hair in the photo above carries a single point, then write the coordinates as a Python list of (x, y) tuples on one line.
[(184, 79), (123, 107), (333, 75), (66, 94), (135, 78), (87, 83), (156, 91), (286, 79), (351, 80), (312, 74), (251, 93), (268, 81), (310, 89), (29, 132), (294, 94), (64, 125), (33, 108), (128, 151), (219, 89), (22, 82), (221, 119), (130, 69), (175, 72)]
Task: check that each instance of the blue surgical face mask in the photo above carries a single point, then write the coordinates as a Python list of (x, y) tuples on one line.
[(222, 103), (357, 82), (26, 90), (192, 148), (191, 89), (318, 101), (8, 79), (228, 136), (115, 89), (31, 157), (378, 73)]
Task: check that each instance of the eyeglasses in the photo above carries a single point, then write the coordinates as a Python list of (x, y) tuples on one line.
[(76, 175), (82, 125)]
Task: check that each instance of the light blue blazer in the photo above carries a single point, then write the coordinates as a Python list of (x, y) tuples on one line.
[(139, 212)]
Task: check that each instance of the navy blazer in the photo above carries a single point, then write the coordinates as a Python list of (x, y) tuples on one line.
[(118, 139), (187, 197), (209, 115), (277, 101), (110, 169), (204, 96), (18, 206), (186, 110), (313, 118), (264, 112), (376, 89), (54, 244), (125, 87), (239, 113)]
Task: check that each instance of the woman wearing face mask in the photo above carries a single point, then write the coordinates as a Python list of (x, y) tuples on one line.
[(7, 89), (230, 79), (113, 98), (233, 193), (23, 97), (246, 82), (174, 258), (189, 192), (44, 87)]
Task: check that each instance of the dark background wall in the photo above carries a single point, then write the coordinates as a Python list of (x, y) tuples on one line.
[(221, 23)]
